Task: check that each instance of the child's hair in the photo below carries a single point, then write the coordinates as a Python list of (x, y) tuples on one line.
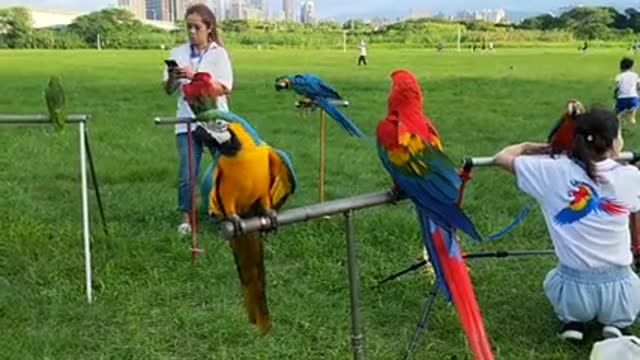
[(595, 132), (626, 64)]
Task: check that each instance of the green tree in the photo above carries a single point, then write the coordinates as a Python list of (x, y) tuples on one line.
[(16, 27), (588, 22), (105, 22)]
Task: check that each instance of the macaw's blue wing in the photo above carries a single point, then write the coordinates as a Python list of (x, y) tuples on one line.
[(428, 177), (293, 179), (207, 184), (283, 178), (311, 86)]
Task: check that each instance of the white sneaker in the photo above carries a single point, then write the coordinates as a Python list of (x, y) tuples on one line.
[(184, 229), (609, 332)]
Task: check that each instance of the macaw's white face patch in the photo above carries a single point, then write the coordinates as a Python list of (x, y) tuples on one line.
[(219, 130)]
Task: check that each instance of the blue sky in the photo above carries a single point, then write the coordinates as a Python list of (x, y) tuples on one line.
[(330, 8)]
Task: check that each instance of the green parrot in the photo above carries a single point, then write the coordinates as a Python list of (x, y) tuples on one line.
[(56, 104)]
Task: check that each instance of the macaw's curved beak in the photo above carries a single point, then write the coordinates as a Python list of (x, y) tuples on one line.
[(282, 84)]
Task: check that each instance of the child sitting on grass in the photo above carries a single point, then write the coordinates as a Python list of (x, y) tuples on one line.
[(586, 199)]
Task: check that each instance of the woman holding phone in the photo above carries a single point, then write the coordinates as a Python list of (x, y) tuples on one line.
[(202, 53)]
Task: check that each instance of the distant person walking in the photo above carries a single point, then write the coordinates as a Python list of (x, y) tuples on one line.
[(362, 59)]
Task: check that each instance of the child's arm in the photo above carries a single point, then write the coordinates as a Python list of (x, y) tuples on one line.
[(504, 158)]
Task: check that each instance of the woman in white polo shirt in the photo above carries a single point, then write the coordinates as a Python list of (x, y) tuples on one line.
[(586, 199), (203, 53)]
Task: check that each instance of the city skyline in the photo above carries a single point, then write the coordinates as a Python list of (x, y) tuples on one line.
[(340, 9)]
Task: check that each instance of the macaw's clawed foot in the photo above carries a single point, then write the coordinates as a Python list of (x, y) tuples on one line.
[(272, 215), (237, 224), (398, 193)]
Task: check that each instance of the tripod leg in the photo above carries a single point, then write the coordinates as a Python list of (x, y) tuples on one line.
[(423, 321), (95, 183)]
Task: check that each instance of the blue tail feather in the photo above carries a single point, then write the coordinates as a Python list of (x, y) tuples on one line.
[(332, 111)]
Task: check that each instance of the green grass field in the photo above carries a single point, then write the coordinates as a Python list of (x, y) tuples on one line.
[(151, 303)]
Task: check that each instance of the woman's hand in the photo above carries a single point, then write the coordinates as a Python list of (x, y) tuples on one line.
[(184, 73)]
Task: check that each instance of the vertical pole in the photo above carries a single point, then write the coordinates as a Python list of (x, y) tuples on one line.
[(85, 211), (635, 239), (344, 41), (459, 39), (357, 338), (192, 196), (323, 135)]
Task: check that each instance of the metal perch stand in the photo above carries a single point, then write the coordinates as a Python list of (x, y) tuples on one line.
[(308, 104), (348, 207), (193, 213), (84, 152)]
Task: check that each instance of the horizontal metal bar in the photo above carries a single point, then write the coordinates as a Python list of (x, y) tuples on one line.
[(335, 102), (311, 212), (629, 156), (159, 120), (504, 253), (32, 119)]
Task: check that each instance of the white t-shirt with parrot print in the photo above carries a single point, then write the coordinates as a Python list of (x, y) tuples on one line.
[(587, 222)]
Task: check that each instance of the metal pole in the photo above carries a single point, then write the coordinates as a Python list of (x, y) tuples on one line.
[(488, 161), (423, 319), (323, 136), (357, 338), (85, 211), (22, 119), (310, 212), (94, 179)]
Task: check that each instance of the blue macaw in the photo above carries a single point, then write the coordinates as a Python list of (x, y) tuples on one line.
[(319, 93)]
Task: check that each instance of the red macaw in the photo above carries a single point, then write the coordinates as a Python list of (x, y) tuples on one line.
[(561, 136), (411, 151)]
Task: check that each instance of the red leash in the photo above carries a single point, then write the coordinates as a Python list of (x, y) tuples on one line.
[(195, 251)]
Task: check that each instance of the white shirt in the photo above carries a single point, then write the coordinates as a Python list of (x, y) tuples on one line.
[(214, 61), (595, 233), (363, 49), (627, 84)]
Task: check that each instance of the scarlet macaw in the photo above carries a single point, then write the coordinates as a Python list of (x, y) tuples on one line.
[(411, 151), (561, 136)]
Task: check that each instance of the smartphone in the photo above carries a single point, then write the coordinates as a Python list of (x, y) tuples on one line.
[(171, 64)]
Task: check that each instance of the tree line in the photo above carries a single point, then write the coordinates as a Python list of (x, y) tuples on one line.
[(117, 28)]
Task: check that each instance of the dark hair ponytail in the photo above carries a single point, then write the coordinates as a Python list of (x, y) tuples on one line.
[(594, 134)]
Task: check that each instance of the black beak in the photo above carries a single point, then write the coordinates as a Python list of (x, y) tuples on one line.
[(202, 136)]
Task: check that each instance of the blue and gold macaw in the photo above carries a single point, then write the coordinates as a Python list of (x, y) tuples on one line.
[(411, 151), (248, 178), (319, 93)]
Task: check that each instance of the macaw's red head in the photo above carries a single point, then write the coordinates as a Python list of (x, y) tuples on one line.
[(201, 88), (405, 93)]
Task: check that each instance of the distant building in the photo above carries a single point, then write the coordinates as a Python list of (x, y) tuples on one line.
[(53, 18), (308, 12), (136, 7), (158, 10), (288, 8), (419, 13), (489, 15)]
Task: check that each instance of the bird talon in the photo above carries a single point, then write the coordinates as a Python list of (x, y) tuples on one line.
[(272, 215), (237, 224)]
